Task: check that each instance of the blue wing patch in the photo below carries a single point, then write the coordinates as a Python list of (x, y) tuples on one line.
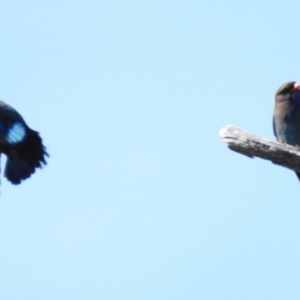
[(16, 133)]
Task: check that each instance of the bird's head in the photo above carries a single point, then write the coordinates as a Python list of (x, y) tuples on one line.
[(287, 92)]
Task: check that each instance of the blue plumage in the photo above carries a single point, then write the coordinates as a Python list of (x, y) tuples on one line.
[(286, 115), (23, 146), (13, 133), (16, 133)]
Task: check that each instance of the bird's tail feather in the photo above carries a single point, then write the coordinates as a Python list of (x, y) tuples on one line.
[(25, 158)]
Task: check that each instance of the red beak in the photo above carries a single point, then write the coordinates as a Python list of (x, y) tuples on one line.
[(296, 87)]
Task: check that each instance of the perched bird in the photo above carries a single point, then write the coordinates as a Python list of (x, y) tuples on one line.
[(286, 115), (22, 145)]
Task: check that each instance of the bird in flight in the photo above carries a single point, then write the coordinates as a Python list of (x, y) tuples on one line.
[(286, 114), (23, 146)]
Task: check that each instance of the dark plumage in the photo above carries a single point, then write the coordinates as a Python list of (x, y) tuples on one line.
[(286, 115), (22, 145)]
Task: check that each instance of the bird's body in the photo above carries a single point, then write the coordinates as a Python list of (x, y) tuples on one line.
[(22, 145), (286, 115)]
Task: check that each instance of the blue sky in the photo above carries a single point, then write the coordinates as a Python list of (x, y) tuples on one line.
[(141, 199)]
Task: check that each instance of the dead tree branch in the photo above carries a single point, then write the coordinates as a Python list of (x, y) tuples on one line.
[(254, 146)]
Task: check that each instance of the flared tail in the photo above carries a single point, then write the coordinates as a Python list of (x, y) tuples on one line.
[(23, 158)]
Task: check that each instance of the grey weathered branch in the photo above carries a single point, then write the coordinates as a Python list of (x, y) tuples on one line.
[(251, 145)]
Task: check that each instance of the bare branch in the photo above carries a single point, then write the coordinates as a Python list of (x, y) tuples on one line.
[(251, 145)]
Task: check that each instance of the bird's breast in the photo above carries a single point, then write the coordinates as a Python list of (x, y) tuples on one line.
[(287, 124)]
